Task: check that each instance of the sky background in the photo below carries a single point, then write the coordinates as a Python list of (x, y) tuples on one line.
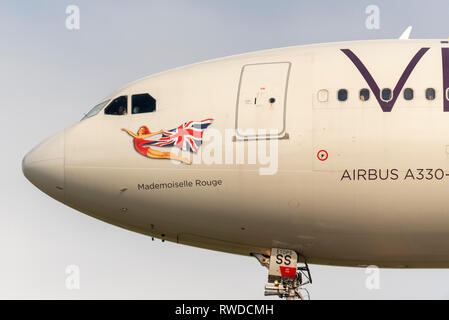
[(50, 76)]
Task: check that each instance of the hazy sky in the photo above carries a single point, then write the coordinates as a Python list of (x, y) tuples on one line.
[(50, 76)]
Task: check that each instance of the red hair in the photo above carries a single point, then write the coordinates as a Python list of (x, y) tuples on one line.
[(144, 130)]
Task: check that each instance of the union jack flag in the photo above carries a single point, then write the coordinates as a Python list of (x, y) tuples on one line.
[(188, 136)]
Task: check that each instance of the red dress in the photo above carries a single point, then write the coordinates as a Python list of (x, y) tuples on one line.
[(139, 145)]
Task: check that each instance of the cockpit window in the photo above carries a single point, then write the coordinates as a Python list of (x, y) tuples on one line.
[(142, 103), (94, 111), (118, 106)]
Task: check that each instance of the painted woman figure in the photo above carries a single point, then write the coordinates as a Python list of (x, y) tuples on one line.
[(141, 145)]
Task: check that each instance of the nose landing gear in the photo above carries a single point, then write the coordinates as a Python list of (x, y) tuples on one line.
[(287, 276)]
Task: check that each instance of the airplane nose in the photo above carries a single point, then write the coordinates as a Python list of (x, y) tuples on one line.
[(44, 166)]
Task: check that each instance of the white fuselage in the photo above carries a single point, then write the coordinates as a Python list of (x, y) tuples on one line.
[(341, 182)]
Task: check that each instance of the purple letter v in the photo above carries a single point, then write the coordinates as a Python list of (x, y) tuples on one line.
[(386, 106)]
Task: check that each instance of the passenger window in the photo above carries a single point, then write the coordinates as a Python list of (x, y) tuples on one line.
[(408, 94), (430, 94), (118, 106), (142, 103), (323, 95), (386, 94), (364, 94), (342, 95)]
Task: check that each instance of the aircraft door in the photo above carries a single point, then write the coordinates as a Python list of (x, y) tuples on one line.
[(261, 102)]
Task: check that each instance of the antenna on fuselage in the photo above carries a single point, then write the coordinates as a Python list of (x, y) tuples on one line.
[(406, 34)]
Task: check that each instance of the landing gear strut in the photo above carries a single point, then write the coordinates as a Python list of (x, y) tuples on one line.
[(287, 276)]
